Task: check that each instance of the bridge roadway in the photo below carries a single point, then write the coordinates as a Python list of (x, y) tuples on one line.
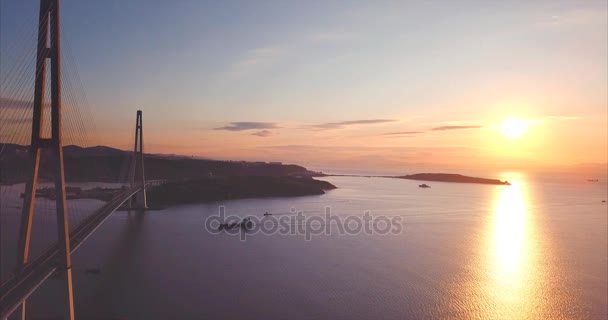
[(19, 287)]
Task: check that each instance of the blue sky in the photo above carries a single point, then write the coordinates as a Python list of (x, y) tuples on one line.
[(194, 66)]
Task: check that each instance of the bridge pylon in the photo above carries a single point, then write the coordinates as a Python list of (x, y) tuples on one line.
[(49, 43), (137, 176)]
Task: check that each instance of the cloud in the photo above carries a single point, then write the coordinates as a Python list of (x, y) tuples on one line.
[(348, 148), (400, 133), (263, 133), (443, 128), (574, 18), (242, 126), (266, 56), (339, 125), (564, 117), (256, 58)]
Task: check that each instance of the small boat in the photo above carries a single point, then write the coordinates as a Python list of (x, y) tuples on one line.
[(424, 185), (228, 226), (267, 214)]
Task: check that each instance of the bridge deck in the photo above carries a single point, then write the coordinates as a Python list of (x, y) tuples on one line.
[(19, 287)]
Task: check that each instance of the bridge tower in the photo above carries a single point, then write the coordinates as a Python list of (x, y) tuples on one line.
[(49, 49), (137, 176)]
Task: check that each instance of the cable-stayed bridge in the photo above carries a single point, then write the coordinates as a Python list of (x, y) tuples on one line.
[(43, 107)]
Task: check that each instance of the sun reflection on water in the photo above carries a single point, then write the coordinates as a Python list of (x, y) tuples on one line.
[(513, 273), (511, 264), (510, 231)]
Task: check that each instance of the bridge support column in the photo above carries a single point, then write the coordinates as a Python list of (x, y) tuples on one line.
[(137, 175), (48, 24)]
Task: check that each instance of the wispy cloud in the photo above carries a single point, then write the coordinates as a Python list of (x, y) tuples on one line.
[(268, 55), (443, 128), (402, 133), (350, 147), (574, 18), (242, 126), (564, 117), (445, 123), (263, 133), (256, 58), (343, 124)]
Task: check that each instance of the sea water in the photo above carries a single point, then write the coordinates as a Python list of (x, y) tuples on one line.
[(533, 250)]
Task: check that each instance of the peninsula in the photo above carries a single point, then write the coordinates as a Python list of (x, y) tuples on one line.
[(186, 179), (201, 190), (234, 187)]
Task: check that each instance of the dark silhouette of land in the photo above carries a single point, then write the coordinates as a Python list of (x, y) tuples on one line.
[(234, 187), (105, 164), (207, 189), (449, 177), (185, 180)]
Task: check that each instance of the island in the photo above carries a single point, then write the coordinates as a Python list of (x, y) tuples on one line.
[(450, 177)]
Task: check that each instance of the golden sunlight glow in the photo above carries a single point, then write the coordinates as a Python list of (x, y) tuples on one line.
[(509, 233), (512, 273), (514, 127)]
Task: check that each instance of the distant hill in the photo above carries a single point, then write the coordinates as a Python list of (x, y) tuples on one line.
[(10, 149), (73, 150), (101, 163)]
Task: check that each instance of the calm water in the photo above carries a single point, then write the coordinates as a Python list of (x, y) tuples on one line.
[(528, 251)]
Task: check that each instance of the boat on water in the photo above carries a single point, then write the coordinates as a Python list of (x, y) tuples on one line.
[(424, 185), (245, 224)]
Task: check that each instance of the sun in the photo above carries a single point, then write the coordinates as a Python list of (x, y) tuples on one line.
[(514, 127)]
